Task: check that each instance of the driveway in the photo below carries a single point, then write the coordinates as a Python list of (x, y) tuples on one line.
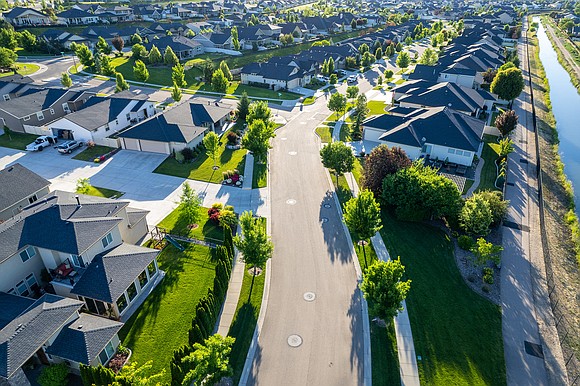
[(131, 172)]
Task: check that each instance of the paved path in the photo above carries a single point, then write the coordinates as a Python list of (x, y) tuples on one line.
[(477, 179), (567, 55)]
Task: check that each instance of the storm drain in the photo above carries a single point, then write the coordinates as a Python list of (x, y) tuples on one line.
[(324, 220), (309, 296), (294, 340), (291, 201), (327, 206), (534, 349)]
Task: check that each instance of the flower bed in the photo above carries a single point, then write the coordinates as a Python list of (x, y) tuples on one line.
[(104, 157), (233, 178), (120, 359)]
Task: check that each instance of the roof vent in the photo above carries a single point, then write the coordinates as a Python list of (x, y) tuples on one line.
[(78, 199), (80, 327)]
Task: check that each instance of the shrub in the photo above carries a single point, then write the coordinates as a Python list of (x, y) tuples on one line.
[(465, 242), (488, 275), (187, 154), (485, 289), (179, 157), (232, 138), (54, 375), (471, 278), (227, 217)]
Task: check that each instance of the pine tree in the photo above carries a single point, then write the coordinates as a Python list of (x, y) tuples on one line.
[(176, 93), (170, 58), (121, 83), (154, 55)]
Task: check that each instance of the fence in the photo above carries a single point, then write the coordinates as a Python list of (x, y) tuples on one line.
[(571, 361), (37, 130), (110, 142)]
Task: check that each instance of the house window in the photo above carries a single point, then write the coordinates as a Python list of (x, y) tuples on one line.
[(65, 108), (108, 239), (143, 279), (107, 128), (132, 292), (6, 97), (32, 199), (122, 303), (459, 152), (77, 261), (22, 288), (107, 353), (116, 121), (12, 291), (466, 154), (152, 269), (128, 116), (51, 111), (31, 281), (27, 254), (40, 116), (27, 118), (451, 151)]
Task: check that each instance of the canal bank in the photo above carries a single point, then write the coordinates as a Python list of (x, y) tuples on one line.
[(560, 226)]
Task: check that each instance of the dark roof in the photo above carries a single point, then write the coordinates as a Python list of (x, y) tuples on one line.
[(274, 71), (56, 222), (26, 333), (18, 183), (177, 43), (424, 72), (112, 272), (17, 11), (84, 338), (98, 111), (32, 101), (73, 13)]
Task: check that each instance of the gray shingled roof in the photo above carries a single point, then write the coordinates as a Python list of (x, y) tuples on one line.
[(56, 222), (84, 338), (18, 183), (110, 273), (26, 333), (33, 101)]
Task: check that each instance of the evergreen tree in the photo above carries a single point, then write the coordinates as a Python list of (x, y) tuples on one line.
[(154, 55), (178, 75), (176, 93), (121, 83), (170, 58)]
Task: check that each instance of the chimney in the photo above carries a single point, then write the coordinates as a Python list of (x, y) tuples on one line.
[(78, 200)]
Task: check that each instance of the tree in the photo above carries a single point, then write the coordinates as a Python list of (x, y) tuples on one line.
[(259, 111), (138, 52), (219, 82), (508, 84), (7, 58), (207, 68), (353, 24), (350, 62), (211, 142), (403, 60), (140, 71), (368, 59), (27, 40), (136, 39), (333, 79), (243, 106), (190, 204), (170, 58), (352, 92), (497, 204), (106, 66), (102, 46), (475, 216), (429, 57), (55, 375), (381, 162), (506, 65), (389, 74), (154, 55), (321, 43), (121, 84), (399, 47), (176, 92), (235, 39), (209, 362), (488, 75), (506, 122), (85, 55), (257, 138), (484, 251), (65, 80), (337, 103), (338, 157), (418, 193), (363, 217), (118, 43), (178, 75), (254, 243), (8, 39), (330, 68), (383, 289), (226, 70), (379, 53)]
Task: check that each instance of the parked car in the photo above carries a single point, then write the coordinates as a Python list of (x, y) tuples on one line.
[(42, 142), (69, 146), (341, 72), (351, 79)]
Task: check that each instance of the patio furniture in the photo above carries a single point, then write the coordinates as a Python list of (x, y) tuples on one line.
[(461, 169)]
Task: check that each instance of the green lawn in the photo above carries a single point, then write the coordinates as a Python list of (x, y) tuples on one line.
[(325, 134), (202, 167), (103, 192), (456, 332), (309, 100), (468, 184), (494, 116), (260, 176), (17, 140), (376, 107), (342, 190), (357, 171), (384, 355), (162, 322), (90, 153), (344, 134), (23, 69), (489, 172), (176, 224)]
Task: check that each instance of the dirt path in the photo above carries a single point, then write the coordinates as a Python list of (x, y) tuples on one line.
[(562, 49)]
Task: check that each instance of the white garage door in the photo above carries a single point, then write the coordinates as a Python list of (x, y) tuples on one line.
[(131, 144), (154, 147)]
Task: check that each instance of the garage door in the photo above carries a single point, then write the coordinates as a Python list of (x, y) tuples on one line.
[(154, 147), (131, 144)]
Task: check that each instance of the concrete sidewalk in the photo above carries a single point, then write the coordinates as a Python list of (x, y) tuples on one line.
[(228, 311), (405, 346)]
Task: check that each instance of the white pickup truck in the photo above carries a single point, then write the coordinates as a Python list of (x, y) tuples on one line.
[(42, 142)]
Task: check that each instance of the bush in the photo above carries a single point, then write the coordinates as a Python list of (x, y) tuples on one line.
[(54, 376), (232, 138), (187, 154), (471, 278), (488, 275), (465, 242), (485, 289)]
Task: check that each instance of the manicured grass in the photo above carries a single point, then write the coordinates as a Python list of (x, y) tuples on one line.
[(342, 190), (456, 332), (90, 153), (22, 69), (376, 107), (357, 171), (244, 322), (161, 324), (468, 184), (176, 224), (384, 355), (17, 140), (309, 100), (489, 172), (202, 167), (325, 134), (344, 135), (157, 74), (103, 192), (494, 116), (260, 176), (399, 81)]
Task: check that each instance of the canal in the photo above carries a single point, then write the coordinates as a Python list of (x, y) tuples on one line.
[(565, 106)]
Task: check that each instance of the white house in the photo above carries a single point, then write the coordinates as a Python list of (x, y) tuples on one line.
[(23, 17)]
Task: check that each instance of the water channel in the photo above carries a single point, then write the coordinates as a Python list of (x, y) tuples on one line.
[(566, 108)]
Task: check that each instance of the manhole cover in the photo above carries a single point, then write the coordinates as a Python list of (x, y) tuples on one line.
[(326, 205), (291, 201), (294, 340), (283, 138), (292, 152), (309, 296), (324, 219)]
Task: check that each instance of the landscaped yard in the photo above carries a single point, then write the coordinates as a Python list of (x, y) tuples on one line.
[(22, 69), (161, 324), (325, 134), (376, 107), (494, 116), (90, 153), (202, 167), (103, 192), (489, 172), (260, 176), (17, 140), (175, 223), (456, 332)]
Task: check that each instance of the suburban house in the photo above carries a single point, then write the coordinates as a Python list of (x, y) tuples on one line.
[(181, 126), (26, 17), (61, 39), (35, 107), (75, 16), (275, 76), (439, 133), (101, 117), (13, 88), (20, 187), (183, 47)]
